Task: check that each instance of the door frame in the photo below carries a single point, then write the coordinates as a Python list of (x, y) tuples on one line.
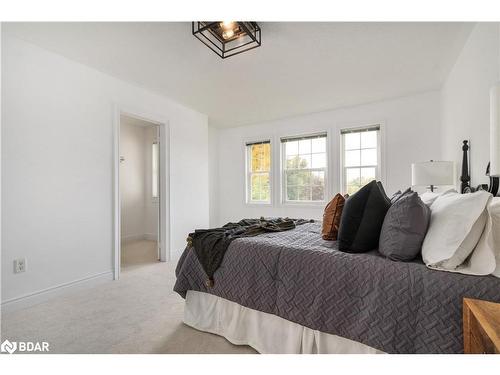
[(164, 242)]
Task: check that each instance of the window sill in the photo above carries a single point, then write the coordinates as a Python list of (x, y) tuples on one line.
[(304, 204), (259, 203)]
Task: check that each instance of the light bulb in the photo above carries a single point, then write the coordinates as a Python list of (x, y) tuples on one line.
[(227, 25), (228, 34)]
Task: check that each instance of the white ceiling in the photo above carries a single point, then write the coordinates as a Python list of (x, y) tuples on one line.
[(300, 68)]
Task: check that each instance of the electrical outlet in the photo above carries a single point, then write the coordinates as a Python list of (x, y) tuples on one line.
[(20, 265)]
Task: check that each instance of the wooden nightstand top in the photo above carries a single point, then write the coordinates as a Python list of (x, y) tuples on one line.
[(481, 320)]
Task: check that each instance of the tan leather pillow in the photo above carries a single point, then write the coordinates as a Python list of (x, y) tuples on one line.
[(331, 217)]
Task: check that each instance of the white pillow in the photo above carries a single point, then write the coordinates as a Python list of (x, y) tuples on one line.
[(457, 223), (429, 197), (485, 259), (493, 234)]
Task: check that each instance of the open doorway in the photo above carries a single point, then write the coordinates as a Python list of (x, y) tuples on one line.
[(139, 192)]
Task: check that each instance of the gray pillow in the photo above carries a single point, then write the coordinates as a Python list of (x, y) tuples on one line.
[(404, 228), (398, 195)]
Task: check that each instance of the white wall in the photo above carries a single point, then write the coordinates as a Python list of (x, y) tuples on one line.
[(139, 213), (213, 173), (1, 174), (151, 206), (465, 100), (410, 133), (132, 180), (57, 162)]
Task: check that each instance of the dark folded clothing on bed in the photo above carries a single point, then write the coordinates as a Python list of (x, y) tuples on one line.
[(210, 245)]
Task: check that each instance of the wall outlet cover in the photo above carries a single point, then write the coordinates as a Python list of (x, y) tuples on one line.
[(20, 265)]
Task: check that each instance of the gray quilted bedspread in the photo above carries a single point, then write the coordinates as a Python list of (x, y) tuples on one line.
[(395, 307)]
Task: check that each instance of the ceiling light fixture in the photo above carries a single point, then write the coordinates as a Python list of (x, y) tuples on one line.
[(228, 38)]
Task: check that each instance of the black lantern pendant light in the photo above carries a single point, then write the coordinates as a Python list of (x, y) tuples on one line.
[(228, 38)]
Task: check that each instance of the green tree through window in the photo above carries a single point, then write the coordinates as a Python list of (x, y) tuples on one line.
[(304, 168), (360, 157), (259, 160)]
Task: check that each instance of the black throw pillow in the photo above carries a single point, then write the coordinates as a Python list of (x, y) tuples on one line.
[(362, 219)]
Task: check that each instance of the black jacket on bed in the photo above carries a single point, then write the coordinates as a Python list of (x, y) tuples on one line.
[(210, 245)]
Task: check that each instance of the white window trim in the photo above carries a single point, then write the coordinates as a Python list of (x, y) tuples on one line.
[(248, 201), (380, 170), (328, 146)]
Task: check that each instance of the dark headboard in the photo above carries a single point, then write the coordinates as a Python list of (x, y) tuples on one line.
[(465, 177)]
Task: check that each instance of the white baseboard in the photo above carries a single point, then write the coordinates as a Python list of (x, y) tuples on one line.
[(43, 295), (138, 237)]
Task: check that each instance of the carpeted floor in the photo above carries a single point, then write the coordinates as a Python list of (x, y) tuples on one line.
[(137, 314)]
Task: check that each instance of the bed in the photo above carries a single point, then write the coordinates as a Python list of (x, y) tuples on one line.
[(292, 292)]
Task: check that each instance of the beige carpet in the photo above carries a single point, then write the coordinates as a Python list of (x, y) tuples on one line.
[(137, 314)]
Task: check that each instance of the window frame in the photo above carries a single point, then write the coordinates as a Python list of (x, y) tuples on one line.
[(283, 196), (248, 172), (379, 168)]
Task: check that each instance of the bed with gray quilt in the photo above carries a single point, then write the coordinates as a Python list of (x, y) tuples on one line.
[(396, 307)]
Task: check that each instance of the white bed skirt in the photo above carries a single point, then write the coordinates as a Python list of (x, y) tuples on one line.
[(266, 333)]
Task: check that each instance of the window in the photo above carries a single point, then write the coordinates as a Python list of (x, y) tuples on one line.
[(258, 172), (360, 155), (304, 168), (155, 158)]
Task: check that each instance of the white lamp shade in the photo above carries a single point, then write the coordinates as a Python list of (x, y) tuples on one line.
[(495, 130), (433, 173)]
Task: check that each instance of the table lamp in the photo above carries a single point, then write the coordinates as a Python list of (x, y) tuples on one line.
[(432, 173)]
